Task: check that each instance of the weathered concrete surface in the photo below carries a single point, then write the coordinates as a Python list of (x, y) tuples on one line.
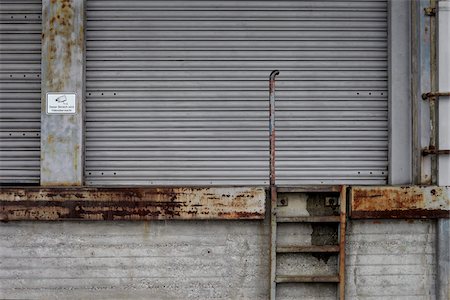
[(443, 259), (131, 203), (63, 50), (386, 259), (391, 259), (140, 260)]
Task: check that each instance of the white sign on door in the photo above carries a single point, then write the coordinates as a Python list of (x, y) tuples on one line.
[(61, 103)]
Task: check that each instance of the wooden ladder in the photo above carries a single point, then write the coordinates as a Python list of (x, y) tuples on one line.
[(338, 218)]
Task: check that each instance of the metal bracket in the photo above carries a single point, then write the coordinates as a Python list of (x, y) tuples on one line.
[(434, 151), (332, 202), (430, 11), (434, 95), (282, 201)]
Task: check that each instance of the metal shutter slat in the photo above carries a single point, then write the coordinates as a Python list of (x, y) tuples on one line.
[(20, 91), (177, 91)]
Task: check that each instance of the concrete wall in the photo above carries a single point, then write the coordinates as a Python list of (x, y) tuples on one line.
[(391, 259), (200, 260), (157, 260)]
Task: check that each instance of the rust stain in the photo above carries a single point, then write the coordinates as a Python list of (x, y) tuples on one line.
[(128, 204), (75, 162), (375, 198), (60, 44), (401, 214), (81, 37), (50, 139), (400, 202)]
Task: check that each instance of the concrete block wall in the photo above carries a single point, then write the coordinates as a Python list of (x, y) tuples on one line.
[(386, 259)]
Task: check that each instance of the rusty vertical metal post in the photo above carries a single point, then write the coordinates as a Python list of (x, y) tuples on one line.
[(421, 78), (434, 143), (273, 189), (342, 230), (272, 125)]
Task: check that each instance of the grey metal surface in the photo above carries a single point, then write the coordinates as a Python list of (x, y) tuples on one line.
[(62, 155), (421, 78), (443, 225), (400, 125), (177, 92), (444, 88), (20, 90)]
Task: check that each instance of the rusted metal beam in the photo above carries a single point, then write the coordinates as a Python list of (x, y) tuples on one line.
[(131, 203), (308, 249), (306, 278), (434, 95), (310, 219), (310, 189), (434, 151), (403, 202)]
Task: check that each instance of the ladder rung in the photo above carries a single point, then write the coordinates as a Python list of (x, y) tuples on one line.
[(310, 189), (306, 278), (310, 219), (312, 248)]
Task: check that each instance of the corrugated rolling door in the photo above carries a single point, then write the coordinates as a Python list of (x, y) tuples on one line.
[(177, 91), (20, 91)]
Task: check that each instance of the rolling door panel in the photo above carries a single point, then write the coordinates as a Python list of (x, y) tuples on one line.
[(20, 91), (177, 92)]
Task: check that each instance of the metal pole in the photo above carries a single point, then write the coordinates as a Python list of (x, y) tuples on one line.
[(272, 125), (273, 189), (434, 87)]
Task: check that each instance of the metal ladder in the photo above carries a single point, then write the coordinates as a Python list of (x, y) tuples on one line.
[(327, 216), (337, 221)]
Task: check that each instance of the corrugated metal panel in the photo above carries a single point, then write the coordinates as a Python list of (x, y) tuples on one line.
[(177, 91), (20, 90)]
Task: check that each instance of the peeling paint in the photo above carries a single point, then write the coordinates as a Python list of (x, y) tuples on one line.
[(131, 203), (400, 202)]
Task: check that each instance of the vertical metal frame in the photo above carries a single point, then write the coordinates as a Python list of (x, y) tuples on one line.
[(421, 83), (399, 61)]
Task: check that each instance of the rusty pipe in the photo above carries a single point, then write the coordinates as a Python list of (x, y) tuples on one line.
[(273, 188), (272, 77), (433, 95)]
